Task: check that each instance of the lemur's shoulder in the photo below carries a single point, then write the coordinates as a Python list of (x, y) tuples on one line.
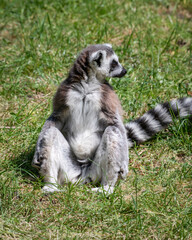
[(110, 103), (60, 97)]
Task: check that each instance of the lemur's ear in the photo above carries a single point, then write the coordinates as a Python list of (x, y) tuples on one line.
[(97, 57), (108, 45)]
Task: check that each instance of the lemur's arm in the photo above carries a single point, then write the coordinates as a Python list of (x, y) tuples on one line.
[(44, 141), (52, 121), (56, 120)]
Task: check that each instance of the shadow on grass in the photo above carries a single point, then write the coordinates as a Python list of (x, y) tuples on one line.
[(22, 166)]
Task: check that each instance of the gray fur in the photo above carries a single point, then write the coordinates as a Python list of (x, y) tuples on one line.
[(84, 140), (157, 119)]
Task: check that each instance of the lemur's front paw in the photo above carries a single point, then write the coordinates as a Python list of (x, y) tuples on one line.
[(37, 160), (41, 153)]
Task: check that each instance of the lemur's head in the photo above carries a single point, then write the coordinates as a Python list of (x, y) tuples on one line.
[(101, 61), (104, 62)]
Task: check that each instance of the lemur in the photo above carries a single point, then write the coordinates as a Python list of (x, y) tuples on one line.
[(85, 140)]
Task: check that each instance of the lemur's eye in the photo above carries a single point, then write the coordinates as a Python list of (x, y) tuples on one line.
[(114, 64)]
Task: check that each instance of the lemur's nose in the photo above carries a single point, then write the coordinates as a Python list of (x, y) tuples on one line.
[(124, 71)]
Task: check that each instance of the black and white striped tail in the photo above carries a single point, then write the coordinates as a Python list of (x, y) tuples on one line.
[(156, 119)]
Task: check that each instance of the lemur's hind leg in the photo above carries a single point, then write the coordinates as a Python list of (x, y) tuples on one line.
[(56, 162), (111, 160)]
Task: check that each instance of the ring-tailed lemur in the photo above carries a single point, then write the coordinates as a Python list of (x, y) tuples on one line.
[(84, 139)]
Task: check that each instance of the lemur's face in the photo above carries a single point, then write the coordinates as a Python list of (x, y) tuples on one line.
[(105, 63)]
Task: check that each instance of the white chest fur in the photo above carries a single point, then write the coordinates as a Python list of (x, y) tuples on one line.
[(84, 107)]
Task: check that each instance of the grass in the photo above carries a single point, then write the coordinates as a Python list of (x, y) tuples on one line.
[(38, 43)]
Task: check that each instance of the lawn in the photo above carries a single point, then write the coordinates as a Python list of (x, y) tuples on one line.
[(39, 41)]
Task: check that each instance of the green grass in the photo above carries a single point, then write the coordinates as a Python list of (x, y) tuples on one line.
[(38, 43)]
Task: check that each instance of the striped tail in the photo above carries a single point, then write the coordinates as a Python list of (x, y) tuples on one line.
[(157, 119)]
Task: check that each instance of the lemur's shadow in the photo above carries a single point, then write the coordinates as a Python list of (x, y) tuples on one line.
[(23, 167)]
